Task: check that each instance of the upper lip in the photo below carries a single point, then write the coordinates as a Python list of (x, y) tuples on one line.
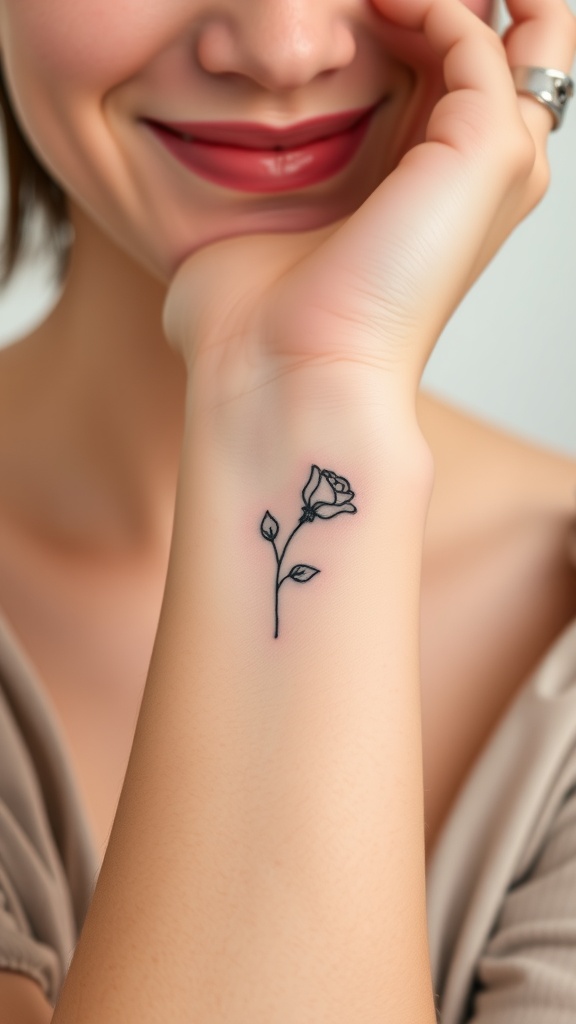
[(259, 136)]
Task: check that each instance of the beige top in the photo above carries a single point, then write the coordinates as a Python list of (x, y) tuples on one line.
[(501, 883), (47, 862)]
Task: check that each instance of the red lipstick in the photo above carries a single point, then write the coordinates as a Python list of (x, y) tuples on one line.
[(253, 157)]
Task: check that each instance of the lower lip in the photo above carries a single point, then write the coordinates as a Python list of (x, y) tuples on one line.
[(267, 170)]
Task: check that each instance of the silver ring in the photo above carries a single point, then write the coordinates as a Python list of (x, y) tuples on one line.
[(552, 88)]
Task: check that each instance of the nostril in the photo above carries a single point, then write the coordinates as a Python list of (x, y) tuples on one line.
[(279, 50)]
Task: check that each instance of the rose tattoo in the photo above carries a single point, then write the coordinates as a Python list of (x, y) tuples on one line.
[(325, 495)]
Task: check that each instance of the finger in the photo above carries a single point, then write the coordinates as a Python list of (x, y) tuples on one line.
[(481, 95), (416, 239), (406, 257), (476, 75), (542, 34)]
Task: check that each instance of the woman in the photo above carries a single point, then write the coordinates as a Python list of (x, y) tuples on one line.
[(297, 196)]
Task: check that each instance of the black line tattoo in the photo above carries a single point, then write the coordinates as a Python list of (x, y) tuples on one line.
[(325, 495)]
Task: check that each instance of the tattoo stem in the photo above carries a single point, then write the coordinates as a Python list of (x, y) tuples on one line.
[(278, 580)]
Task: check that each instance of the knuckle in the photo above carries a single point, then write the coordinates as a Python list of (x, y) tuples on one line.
[(521, 153), (561, 20), (542, 175), (567, 24), (539, 182), (496, 41)]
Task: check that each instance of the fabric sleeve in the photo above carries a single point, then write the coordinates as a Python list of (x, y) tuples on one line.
[(44, 877), (48, 864), (527, 971), (19, 950)]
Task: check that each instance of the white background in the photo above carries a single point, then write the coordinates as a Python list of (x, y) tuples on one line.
[(509, 353)]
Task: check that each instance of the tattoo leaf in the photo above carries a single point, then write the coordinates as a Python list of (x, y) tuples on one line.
[(269, 527), (302, 573)]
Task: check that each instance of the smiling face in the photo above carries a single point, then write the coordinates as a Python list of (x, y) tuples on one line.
[(96, 84)]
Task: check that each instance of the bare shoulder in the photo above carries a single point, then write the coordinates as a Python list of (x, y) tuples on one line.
[(501, 517), (486, 476), (498, 585)]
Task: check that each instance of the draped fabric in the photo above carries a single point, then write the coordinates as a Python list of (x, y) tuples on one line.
[(501, 883), (48, 866)]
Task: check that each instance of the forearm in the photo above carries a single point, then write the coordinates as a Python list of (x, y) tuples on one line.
[(267, 859)]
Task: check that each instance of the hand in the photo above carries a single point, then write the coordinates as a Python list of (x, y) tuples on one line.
[(375, 290)]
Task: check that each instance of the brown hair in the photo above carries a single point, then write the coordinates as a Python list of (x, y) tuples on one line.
[(30, 189)]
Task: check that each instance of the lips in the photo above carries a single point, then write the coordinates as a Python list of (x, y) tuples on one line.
[(263, 158), (257, 136)]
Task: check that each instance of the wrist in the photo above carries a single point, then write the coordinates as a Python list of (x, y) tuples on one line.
[(322, 414)]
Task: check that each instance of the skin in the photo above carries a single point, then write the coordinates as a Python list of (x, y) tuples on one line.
[(138, 221), (80, 105)]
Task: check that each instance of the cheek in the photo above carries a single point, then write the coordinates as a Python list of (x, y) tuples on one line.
[(83, 41), (61, 60), (65, 55), (52, 53)]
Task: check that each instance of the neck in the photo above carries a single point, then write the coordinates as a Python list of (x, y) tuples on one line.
[(93, 405)]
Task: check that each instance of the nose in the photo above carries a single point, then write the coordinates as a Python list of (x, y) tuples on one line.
[(279, 44)]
